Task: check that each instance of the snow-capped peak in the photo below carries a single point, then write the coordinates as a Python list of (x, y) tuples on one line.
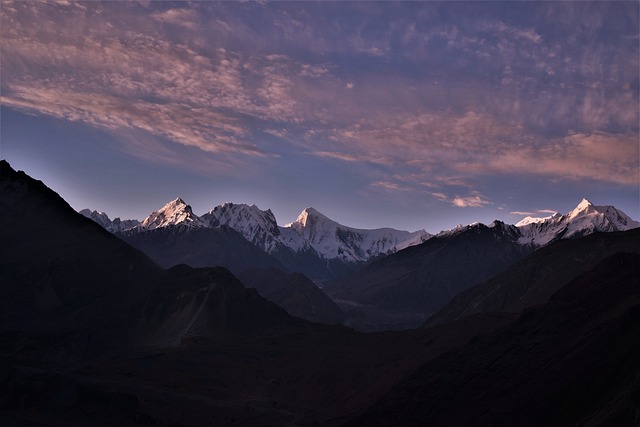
[(534, 220), (307, 216), (257, 226), (585, 219), (584, 207), (333, 240), (176, 212)]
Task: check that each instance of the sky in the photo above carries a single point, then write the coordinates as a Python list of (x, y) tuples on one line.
[(412, 115)]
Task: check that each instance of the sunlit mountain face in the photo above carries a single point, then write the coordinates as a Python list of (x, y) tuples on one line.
[(409, 115)]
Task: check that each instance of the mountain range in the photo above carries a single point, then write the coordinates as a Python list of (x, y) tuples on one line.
[(381, 279), (93, 332), (313, 240), (313, 244), (403, 289)]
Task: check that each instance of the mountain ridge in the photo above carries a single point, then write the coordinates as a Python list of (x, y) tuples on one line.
[(114, 226), (584, 219), (322, 246), (311, 228), (526, 284)]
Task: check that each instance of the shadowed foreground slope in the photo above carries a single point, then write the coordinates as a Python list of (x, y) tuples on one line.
[(534, 279), (571, 361), (94, 333), (403, 289)]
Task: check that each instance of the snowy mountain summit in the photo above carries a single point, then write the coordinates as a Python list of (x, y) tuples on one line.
[(585, 219), (314, 234), (311, 232), (257, 226), (333, 240), (174, 213)]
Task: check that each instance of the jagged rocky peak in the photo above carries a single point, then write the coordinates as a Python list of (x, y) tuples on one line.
[(115, 226), (176, 212), (99, 217), (257, 226), (496, 227)]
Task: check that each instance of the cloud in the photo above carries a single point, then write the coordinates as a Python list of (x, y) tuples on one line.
[(391, 186), (136, 77), (346, 157), (424, 116), (458, 147), (475, 200), (439, 196), (536, 212), (339, 156), (599, 156), (182, 17), (219, 134), (527, 34)]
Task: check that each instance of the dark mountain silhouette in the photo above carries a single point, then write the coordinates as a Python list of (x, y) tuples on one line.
[(223, 246), (94, 333), (403, 289), (201, 247), (54, 260), (533, 280), (69, 289), (295, 293), (571, 361)]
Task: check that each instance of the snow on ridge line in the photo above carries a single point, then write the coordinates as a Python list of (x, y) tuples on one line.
[(534, 220), (114, 226), (333, 240), (585, 219), (176, 212), (313, 230)]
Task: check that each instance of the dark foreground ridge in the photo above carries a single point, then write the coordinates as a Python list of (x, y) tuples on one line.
[(92, 332), (571, 361)]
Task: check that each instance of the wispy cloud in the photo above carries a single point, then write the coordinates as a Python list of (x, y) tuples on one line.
[(472, 201), (536, 212), (122, 77), (218, 134), (395, 94), (391, 186), (598, 156), (183, 17)]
